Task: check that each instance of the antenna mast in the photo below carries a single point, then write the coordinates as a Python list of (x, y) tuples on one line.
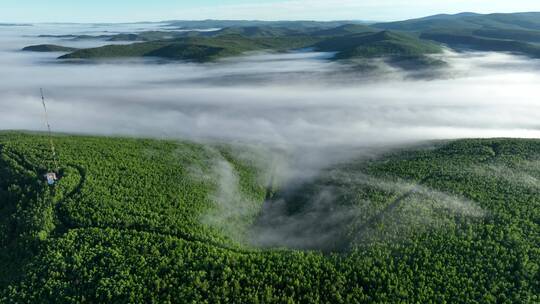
[(49, 131)]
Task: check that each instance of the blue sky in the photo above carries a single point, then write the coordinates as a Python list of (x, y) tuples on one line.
[(155, 10)]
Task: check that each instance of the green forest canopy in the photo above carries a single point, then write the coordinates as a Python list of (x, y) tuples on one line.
[(449, 222)]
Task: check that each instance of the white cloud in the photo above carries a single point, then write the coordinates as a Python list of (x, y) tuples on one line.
[(283, 99)]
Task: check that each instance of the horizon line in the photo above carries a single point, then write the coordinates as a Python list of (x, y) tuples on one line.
[(28, 23)]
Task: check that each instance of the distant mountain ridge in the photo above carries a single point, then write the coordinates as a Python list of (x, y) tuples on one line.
[(348, 43), (202, 24), (525, 21), (450, 16), (400, 41), (15, 24), (516, 33)]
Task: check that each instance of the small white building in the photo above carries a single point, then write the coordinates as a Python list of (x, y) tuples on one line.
[(51, 178)]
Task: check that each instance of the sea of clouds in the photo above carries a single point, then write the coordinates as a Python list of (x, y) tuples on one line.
[(287, 99)]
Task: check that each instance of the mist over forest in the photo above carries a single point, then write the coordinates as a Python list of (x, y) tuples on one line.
[(271, 162), (295, 98)]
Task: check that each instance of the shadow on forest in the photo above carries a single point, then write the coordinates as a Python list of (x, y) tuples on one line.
[(344, 210), (305, 216)]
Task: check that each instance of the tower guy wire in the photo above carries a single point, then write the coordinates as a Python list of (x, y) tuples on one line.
[(51, 142)]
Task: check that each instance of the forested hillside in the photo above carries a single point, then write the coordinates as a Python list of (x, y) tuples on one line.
[(48, 48), (406, 44), (517, 33), (349, 42), (149, 221)]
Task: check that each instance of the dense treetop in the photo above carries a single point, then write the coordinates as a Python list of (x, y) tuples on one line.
[(137, 220)]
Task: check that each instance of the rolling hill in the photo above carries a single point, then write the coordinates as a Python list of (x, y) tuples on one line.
[(253, 31), (362, 43), (405, 44), (198, 49), (139, 36), (48, 48), (246, 31), (346, 29), (517, 33), (379, 44), (462, 41), (514, 21), (140, 220), (219, 24)]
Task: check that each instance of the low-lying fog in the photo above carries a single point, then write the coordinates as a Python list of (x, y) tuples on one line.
[(296, 98)]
